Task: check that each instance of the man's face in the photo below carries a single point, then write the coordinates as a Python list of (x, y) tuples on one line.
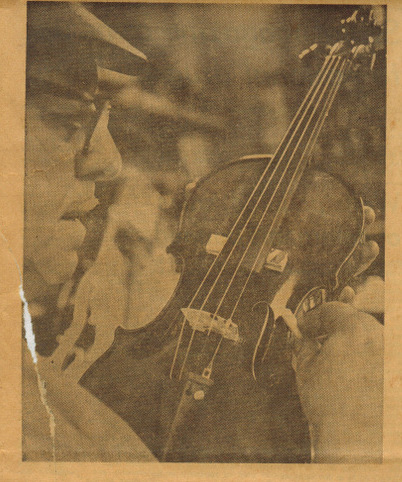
[(68, 148)]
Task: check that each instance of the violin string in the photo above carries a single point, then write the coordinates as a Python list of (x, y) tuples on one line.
[(327, 61), (178, 346), (329, 64), (262, 194), (321, 119), (325, 109), (323, 72), (271, 200), (211, 362), (333, 92), (255, 207), (324, 114), (187, 353)]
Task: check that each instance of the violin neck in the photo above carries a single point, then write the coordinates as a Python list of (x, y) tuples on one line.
[(252, 235), (295, 150), (299, 140)]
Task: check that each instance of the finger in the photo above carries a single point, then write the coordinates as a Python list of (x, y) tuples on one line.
[(369, 215), (370, 295), (325, 320), (347, 295), (310, 322), (81, 303), (80, 316), (368, 253)]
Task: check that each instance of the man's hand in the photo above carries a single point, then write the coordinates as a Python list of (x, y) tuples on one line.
[(339, 371), (340, 382)]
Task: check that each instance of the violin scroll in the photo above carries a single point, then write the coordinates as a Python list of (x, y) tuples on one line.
[(363, 37)]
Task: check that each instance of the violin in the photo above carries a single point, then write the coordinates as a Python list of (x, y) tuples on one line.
[(260, 240)]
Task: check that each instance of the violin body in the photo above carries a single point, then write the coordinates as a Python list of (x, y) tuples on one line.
[(248, 410)]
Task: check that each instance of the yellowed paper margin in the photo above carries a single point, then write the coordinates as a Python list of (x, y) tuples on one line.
[(12, 78)]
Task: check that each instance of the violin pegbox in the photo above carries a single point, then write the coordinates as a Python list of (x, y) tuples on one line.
[(363, 35), (364, 31)]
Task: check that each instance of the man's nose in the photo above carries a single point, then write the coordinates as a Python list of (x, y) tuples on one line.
[(100, 159)]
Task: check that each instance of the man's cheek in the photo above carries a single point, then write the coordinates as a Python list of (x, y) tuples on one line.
[(57, 269), (50, 162), (44, 196), (60, 269), (55, 253)]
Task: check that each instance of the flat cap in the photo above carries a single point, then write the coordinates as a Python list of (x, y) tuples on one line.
[(73, 21)]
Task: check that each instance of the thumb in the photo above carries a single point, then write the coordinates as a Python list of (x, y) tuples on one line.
[(326, 319), (305, 351)]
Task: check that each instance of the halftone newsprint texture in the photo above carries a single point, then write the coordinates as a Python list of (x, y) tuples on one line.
[(202, 265)]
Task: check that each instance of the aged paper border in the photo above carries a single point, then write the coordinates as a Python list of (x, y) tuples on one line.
[(12, 94)]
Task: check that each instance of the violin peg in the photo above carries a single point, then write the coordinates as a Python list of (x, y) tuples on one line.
[(353, 17), (373, 60), (308, 51)]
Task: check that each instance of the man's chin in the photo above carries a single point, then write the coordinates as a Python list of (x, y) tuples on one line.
[(44, 276)]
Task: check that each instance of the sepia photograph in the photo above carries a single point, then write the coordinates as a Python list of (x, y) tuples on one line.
[(204, 233)]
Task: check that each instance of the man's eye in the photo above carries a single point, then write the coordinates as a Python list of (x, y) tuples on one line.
[(74, 125), (69, 123), (67, 113)]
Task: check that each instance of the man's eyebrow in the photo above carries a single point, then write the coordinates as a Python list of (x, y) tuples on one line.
[(56, 104), (41, 86)]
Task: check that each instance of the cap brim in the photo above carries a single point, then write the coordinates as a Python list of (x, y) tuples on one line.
[(72, 19)]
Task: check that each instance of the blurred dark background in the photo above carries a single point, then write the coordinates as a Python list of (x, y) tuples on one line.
[(223, 81)]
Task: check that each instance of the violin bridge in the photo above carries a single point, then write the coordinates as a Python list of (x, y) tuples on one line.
[(276, 260), (203, 321)]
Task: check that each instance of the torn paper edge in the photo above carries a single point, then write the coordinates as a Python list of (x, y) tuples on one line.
[(30, 340)]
